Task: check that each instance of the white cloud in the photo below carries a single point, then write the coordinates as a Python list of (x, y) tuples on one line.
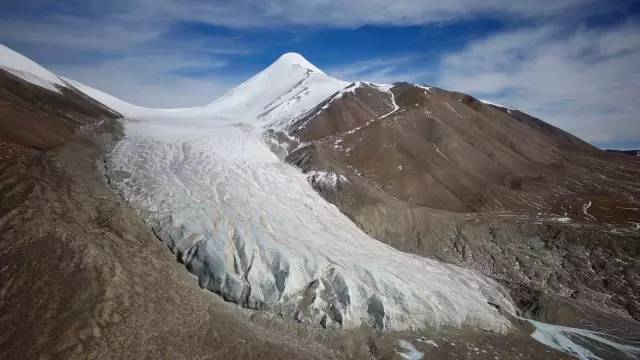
[(138, 60), (153, 80), (584, 81), (351, 13), (381, 70)]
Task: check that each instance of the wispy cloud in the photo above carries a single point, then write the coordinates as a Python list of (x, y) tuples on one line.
[(155, 80), (139, 58), (381, 70), (585, 81), (346, 13)]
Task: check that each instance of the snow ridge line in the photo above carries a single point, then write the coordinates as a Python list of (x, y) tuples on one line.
[(393, 101)]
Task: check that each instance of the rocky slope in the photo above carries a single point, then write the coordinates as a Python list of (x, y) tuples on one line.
[(444, 175)]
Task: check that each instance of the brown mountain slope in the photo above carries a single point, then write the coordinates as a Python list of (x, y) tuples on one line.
[(449, 151), (42, 119), (491, 188)]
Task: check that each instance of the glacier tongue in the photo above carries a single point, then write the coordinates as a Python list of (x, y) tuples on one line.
[(254, 231)]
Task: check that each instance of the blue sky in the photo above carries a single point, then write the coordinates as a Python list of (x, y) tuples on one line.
[(573, 63)]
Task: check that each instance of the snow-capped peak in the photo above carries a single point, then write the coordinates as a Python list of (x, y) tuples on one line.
[(295, 59), (274, 97), (28, 70), (283, 91)]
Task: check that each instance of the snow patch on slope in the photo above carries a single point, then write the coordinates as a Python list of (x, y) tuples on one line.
[(325, 179), (26, 69), (497, 105), (387, 89), (582, 343), (410, 352)]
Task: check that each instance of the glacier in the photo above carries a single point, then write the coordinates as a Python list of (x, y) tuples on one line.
[(252, 228), (254, 231)]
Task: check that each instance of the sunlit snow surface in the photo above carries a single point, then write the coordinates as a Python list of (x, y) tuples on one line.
[(584, 344), (24, 68), (253, 230)]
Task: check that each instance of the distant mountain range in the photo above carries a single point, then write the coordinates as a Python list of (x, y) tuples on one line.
[(626, 152)]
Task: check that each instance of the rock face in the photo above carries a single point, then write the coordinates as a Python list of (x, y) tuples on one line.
[(444, 175)]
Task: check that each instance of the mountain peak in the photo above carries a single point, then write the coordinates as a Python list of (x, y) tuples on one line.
[(295, 59)]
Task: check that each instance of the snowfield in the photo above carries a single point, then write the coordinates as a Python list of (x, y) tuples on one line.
[(254, 231), (28, 70)]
